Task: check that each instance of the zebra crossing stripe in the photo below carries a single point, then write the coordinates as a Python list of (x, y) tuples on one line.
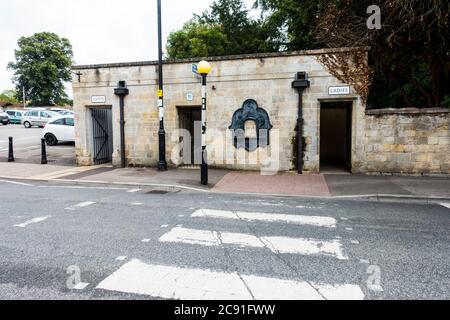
[(447, 205), (170, 282), (32, 221), (267, 217), (275, 244)]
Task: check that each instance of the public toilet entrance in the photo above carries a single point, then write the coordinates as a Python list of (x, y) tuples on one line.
[(190, 135), (335, 136), (102, 135)]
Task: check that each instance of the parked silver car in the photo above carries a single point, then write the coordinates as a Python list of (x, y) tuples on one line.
[(38, 118)]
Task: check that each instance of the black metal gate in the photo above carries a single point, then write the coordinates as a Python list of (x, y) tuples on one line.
[(102, 135)]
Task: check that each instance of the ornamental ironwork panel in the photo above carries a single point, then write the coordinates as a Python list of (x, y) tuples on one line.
[(251, 112)]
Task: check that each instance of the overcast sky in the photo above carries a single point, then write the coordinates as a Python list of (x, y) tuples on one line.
[(100, 31)]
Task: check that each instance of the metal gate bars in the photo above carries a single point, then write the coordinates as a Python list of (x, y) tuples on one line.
[(101, 130)]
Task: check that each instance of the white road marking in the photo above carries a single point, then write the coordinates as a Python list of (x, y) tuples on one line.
[(308, 207), (267, 217), (201, 284), (81, 286), (121, 258), (82, 187), (146, 240), (32, 221), (364, 261), (17, 183), (133, 190), (344, 219), (275, 244), (136, 204), (271, 204), (181, 216), (349, 229), (165, 226), (354, 242), (81, 205), (85, 204), (444, 204)]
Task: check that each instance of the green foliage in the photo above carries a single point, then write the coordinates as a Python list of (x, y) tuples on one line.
[(292, 21), (9, 96), (42, 65), (409, 56), (197, 40), (446, 101), (227, 29)]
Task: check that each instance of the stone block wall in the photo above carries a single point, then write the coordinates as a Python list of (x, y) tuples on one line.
[(413, 141), (266, 78)]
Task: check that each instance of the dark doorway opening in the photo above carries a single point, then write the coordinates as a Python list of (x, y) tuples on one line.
[(335, 136), (102, 135), (190, 135)]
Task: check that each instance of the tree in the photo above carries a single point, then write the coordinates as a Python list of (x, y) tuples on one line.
[(410, 54), (226, 29), (197, 40), (292, 22), (9, 96), (245, 35), (43, 63)]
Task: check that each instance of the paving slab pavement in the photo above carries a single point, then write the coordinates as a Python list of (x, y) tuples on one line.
[(223, 181), (358, 184), (283, 183), (187, 177)]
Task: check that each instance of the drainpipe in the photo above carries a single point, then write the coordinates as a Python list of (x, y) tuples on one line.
[(300, 83), (122, 91)]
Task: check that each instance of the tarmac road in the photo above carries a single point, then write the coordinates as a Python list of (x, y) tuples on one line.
[(27, 146), (81, 242)]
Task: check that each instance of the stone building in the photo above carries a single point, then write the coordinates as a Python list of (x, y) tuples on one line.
[(244, 92)]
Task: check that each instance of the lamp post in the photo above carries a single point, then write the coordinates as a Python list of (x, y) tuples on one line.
[(204, 68), (122, 91), (162, 163), (300, 83)]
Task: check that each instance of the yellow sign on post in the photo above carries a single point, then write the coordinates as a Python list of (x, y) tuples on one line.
[(160, 93)]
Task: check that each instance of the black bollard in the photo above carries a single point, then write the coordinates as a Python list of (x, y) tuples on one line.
[(11, 150), (43, 152)]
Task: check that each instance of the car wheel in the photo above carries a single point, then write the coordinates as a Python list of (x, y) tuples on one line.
[(50, 139), (5, 123), (27, 125)]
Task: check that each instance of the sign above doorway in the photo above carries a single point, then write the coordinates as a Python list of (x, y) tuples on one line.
[(340, 90), (98, 99)]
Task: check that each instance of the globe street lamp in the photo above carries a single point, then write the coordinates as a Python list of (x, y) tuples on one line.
[(204, 68)]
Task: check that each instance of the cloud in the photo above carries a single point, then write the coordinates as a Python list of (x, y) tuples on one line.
[(100, 31)]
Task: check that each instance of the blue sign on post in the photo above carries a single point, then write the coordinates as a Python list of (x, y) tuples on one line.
[(195, 70)]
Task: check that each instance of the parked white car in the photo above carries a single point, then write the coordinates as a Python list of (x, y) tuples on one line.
[(64, 112), (59, 129), (38, 118), (4, 118)]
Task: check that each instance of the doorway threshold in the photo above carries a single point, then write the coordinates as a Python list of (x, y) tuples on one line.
[(334, 169)]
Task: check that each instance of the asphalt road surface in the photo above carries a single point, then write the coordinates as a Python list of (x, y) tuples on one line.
[(78, 242), (27, 146)]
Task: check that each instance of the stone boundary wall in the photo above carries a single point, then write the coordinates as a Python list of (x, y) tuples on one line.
[(412, 141)]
